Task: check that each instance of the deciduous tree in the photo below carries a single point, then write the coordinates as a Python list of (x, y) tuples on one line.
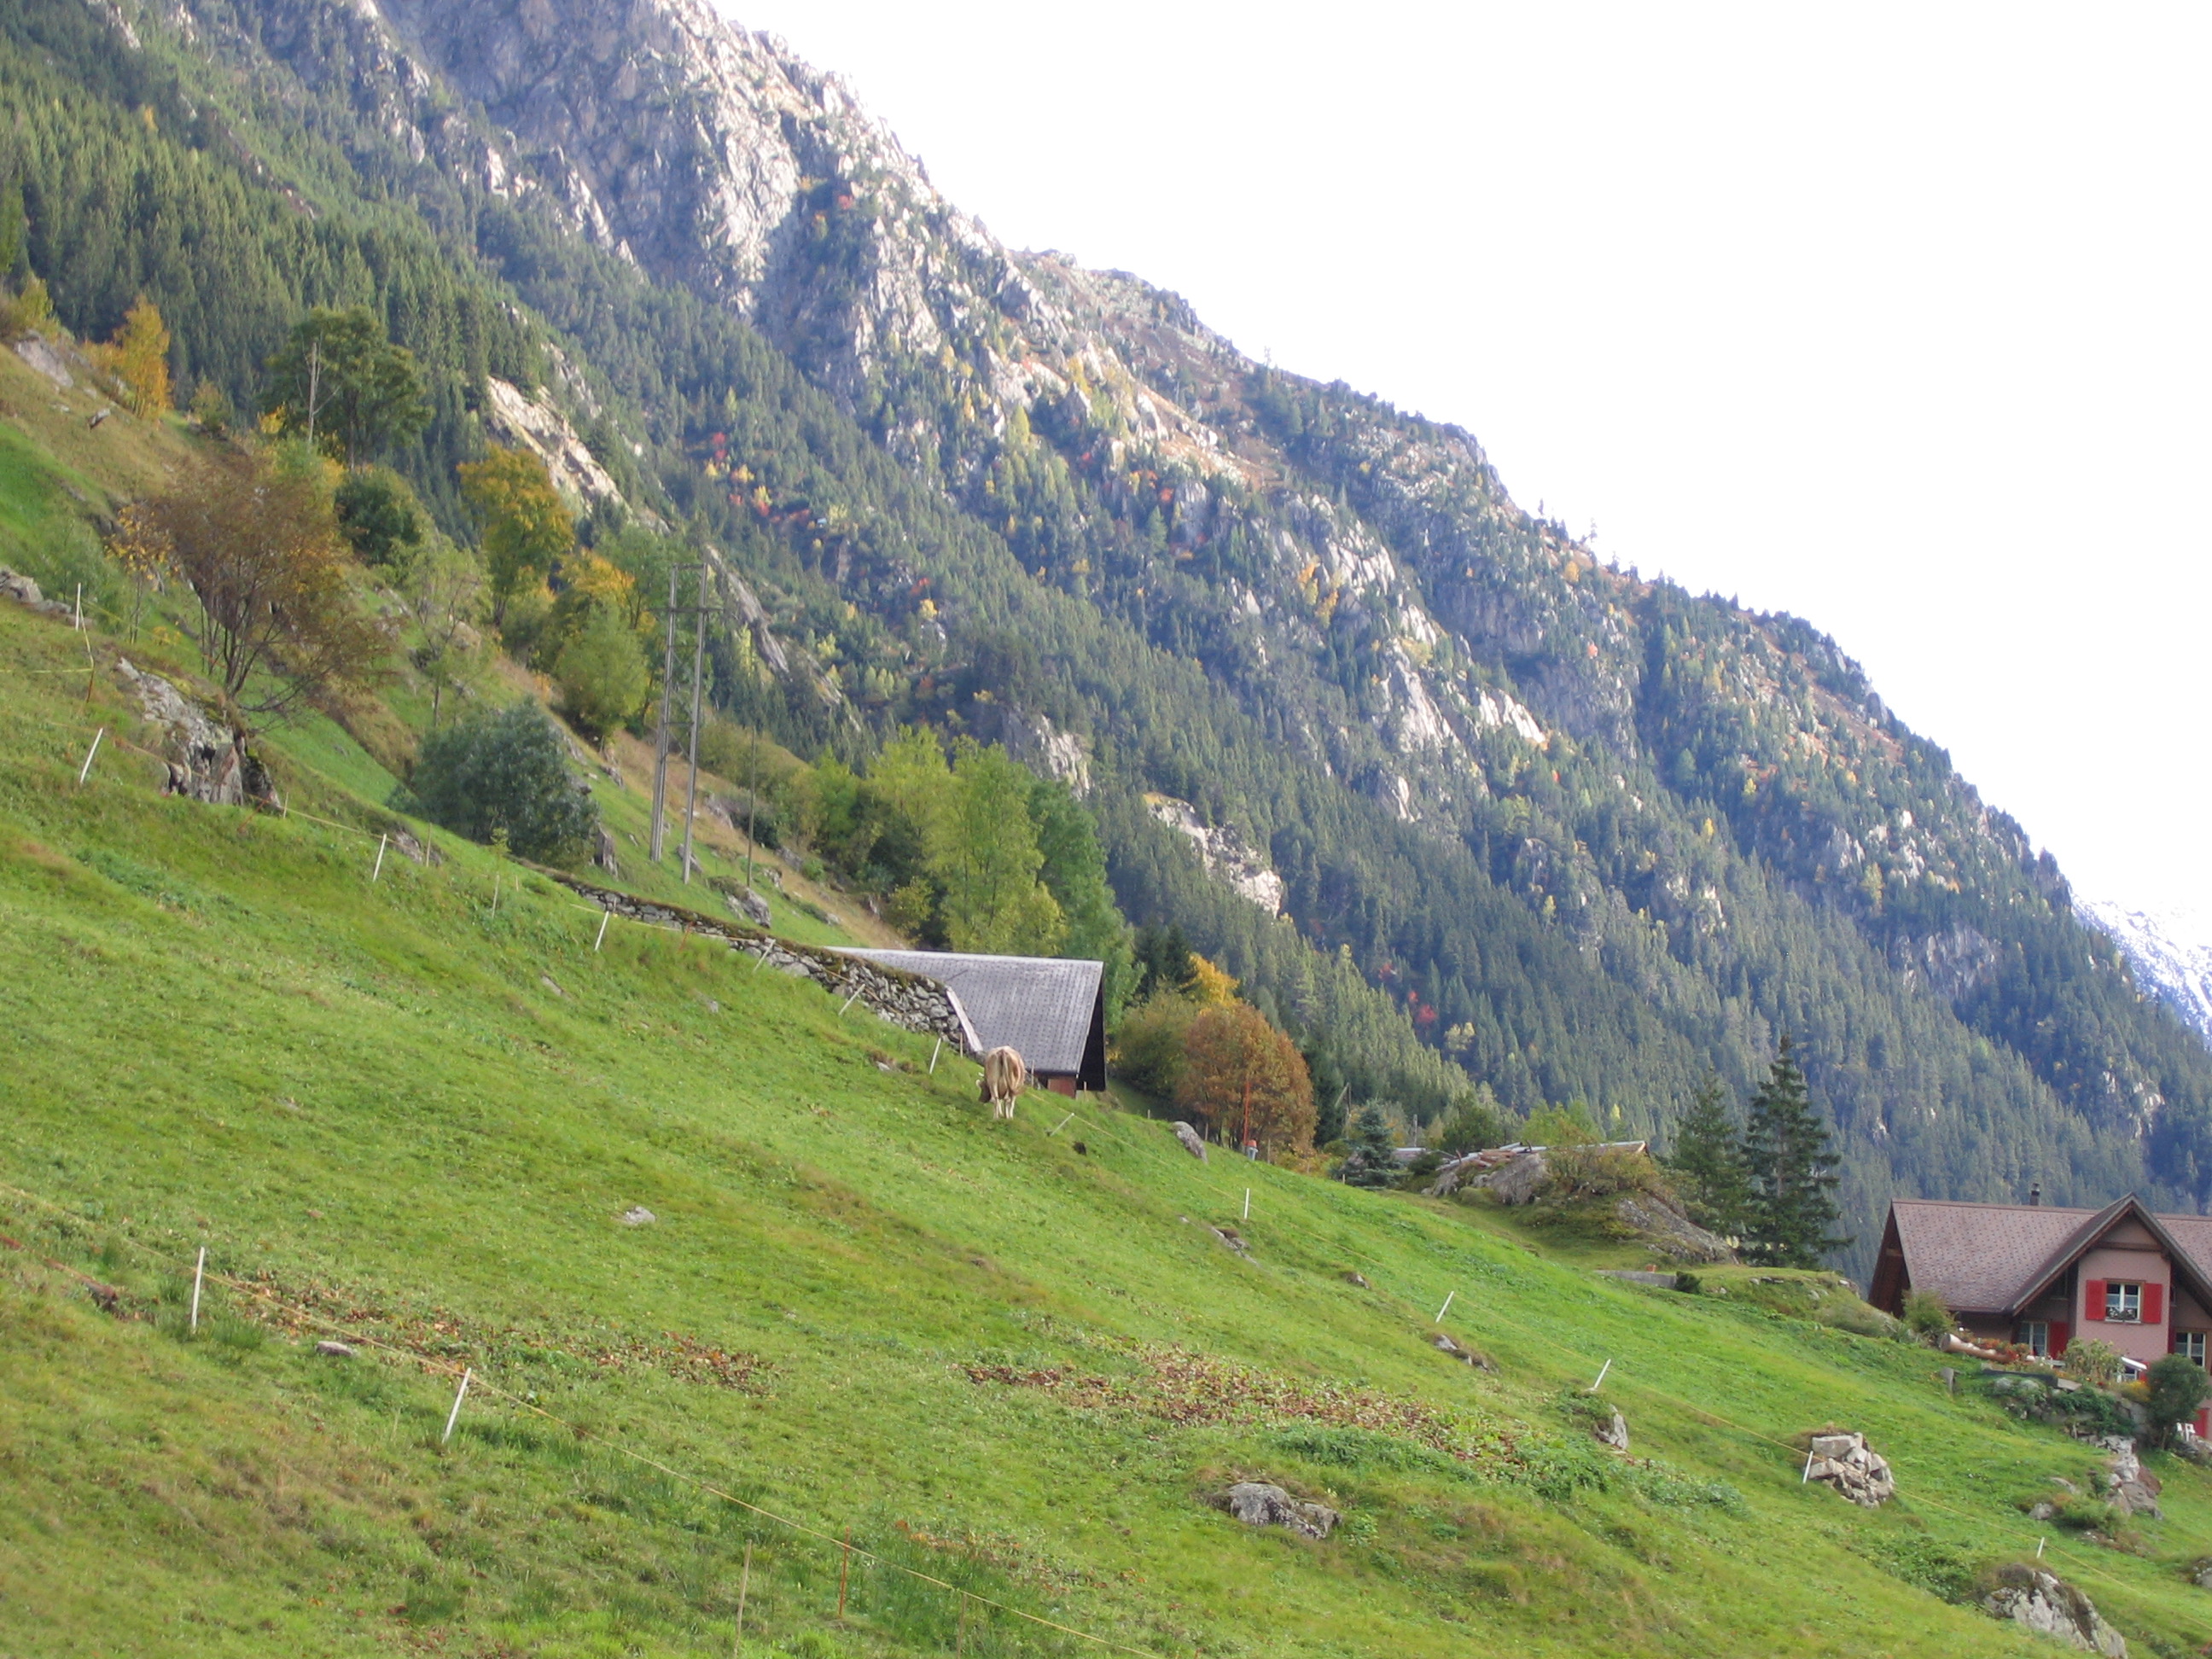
[(526, 526), (1245, 1080), (504, 772), (138, 354), (258, 544), (340, 379), (984, 854)]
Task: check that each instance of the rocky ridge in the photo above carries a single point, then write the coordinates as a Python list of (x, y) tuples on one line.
[(2167, 951)]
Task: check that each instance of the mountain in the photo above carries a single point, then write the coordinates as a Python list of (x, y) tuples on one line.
[(1448, 791), (2167, 952)]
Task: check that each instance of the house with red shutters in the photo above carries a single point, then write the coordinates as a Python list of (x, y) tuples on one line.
[(2044, 1275)]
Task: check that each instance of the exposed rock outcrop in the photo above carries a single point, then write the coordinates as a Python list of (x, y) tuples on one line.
[(2132, 1488), (2048, 1605), (1257, 1503), (1191, 1143), (208, 759), (1223, 852)]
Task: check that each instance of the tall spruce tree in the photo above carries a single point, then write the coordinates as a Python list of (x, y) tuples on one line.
[(1791, 1170), (1708, 1154)]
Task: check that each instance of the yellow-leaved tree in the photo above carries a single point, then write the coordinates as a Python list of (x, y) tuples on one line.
[(527, 527), (139, 355)]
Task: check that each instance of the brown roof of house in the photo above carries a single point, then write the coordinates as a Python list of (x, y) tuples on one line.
[(1977, 1256), (1990, 1258)]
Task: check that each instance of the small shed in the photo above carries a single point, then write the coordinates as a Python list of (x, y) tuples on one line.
[(1050, 1011)]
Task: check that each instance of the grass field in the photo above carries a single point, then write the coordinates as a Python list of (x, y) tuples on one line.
[(407, 1112)]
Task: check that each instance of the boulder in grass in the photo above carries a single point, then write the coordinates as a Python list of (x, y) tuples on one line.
[(1854, 1469), (330, 1349), (638, 1216), (1191, 1143), (2048, 1605), (1257, 1503), (1615, 1433)]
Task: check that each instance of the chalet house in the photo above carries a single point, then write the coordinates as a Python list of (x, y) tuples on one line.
[(1049, 1011), (2045, 1275)]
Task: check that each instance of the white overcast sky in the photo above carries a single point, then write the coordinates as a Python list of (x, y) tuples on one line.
[(1894, 316)]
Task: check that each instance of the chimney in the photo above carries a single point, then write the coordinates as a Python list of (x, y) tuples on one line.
[(2035, 1194)]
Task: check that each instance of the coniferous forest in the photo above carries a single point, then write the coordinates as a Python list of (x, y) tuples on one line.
[(1656, 834)]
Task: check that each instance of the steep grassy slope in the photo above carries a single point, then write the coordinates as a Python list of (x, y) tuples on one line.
[(392, 1108)]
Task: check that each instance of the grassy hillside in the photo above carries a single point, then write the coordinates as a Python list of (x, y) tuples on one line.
[(402, 1111)]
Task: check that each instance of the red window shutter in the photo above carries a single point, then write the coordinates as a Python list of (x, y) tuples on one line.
[(2154, 1304), (2092, 1300), (2060, 1332)]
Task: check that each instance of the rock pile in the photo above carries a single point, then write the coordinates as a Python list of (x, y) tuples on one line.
[(2048, 1605), (1854, 1468), (1257, 1503), (2133, 1489)]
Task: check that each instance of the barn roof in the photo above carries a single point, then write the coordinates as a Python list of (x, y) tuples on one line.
[(1049, 1010), (1995, 1258)]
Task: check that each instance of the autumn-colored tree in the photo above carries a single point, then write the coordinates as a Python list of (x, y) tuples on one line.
[(142, 548), (1245, 1080), (139, 355), (527, 527), (258, 544), (1211, 986)]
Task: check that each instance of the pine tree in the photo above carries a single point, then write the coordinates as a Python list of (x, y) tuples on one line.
[(1792, 1172), (1709, 1155), (1370, 1162)]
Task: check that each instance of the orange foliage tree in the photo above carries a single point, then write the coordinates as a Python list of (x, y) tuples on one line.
[(1243, 1079)]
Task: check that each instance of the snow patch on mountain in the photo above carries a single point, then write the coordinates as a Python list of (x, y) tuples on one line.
[(2171, 952)]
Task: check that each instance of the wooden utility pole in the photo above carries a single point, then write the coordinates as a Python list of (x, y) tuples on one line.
[(752, 807), (660, 730), (698, 656)]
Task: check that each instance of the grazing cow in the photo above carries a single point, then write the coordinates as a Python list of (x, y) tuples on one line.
[(1005, 1077)]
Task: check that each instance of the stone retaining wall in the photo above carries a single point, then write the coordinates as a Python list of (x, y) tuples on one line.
[(905, 999)]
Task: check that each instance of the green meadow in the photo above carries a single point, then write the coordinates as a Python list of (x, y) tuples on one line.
[(895, 1377)]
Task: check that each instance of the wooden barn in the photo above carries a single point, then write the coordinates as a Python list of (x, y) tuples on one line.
[(1050, 1011)]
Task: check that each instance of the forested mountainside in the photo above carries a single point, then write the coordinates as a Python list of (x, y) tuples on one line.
[(1531, 820)]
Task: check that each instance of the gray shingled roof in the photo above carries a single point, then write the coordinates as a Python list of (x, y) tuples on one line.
[(1046, 1008), (1985, 1258)]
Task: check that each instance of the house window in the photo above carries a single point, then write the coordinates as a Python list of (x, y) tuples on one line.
[(2190, 1343), (2035, 1337), (2122, 1302)]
